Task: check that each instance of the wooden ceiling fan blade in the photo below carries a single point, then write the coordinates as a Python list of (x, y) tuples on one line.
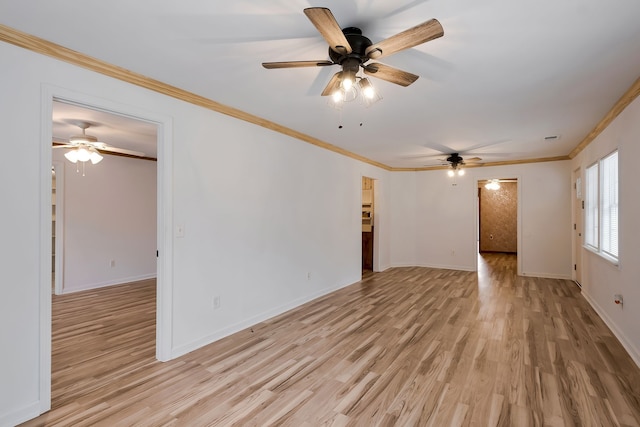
[(487, 144), (438, 157), (121, 151), (435, 161), (333, 84), (323, 20), (473, 160), (296, 64), (390, 74), (440, 147), (414, 36)]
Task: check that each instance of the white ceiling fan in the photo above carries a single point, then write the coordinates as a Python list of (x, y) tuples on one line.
[(86, 147)]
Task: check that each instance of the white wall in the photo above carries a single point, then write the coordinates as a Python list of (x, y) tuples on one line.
[(20, 261), (434, 221), (601, 279), (260, 211), (403, 200), (109, 215)]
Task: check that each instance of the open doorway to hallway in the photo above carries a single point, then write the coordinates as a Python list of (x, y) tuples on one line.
[(498, 216)]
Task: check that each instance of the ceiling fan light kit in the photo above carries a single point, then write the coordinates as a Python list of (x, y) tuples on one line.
[(85, 148), (84, 153), (458, 170), (369, 94), (456, 165), (363, 90), (349, 49)]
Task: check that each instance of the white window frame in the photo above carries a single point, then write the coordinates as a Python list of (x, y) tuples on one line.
[(609, 208), (601, 208), (591, 207)]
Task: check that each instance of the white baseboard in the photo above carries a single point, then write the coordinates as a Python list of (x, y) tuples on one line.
[(448, 267), (221, 333), (382, 268), (21, 415), (547, 275), (402, 264), (119, 281), (438, 266), (626, 343)]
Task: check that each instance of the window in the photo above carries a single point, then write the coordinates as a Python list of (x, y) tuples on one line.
[(601, 207)]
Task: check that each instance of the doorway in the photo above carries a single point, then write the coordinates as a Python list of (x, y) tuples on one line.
[(108, 239), (498, 215), (578, 212), (162, 253), (368, 214)]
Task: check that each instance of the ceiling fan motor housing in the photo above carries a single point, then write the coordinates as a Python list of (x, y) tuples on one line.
[(455, 160), (82, 139), (359, 45)]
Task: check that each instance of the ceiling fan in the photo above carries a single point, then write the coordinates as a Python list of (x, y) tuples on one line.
[(455, 161), (349, 49), (87, 147)]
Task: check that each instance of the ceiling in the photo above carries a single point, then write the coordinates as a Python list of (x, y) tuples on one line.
[(113, 129), (505, 75)]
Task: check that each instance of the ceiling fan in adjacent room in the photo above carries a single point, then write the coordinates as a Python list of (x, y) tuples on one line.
[(85, 147), (349, 49)]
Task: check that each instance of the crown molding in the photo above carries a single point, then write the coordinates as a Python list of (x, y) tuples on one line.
[(624, 101)]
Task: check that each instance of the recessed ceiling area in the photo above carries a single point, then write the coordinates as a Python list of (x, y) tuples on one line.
[(503, 77)]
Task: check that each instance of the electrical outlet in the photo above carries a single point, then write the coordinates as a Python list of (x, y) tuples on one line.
[(216, 302), (617, 298)]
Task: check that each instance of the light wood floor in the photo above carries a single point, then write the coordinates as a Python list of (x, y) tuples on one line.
[(407, 347)]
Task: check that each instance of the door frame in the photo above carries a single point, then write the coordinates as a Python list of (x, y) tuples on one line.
[(58, 275), (375, 187), (518, 179), (577, 196), (164, 284), (376, 224)]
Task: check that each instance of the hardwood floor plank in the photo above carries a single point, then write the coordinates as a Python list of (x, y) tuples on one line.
[(407, 347)]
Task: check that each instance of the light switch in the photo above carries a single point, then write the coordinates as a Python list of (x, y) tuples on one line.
[(179, 230)]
